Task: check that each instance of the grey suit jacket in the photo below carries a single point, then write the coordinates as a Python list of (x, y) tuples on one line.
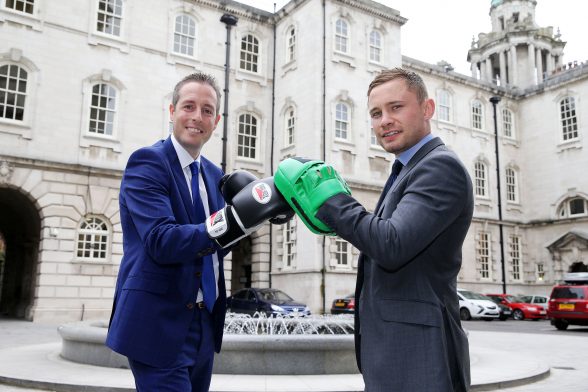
[(408, 332)]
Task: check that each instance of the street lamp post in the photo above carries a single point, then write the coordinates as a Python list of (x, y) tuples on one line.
[(230, 21), (495, 100)]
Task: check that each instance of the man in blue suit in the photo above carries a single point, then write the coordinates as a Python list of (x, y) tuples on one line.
[(159, 318)]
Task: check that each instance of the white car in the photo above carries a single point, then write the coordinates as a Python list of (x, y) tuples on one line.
[(477, 306), (540, 300)]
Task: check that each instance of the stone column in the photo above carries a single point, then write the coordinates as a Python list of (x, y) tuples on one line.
[(513, 65), (482, 70), (502, 60), (474, 69), (532, 65), (539, 67), (489, 76), (550, 64)]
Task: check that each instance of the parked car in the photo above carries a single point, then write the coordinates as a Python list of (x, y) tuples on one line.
[(474, 305), (505, 311), (568, 304), (272, 302), (540, 300), (343, 305), (520, 310)]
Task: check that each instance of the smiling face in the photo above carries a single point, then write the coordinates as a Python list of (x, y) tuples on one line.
[(194, 116), (398, 118)]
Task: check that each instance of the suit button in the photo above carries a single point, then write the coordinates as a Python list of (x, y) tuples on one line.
[(190, 305), (198, 274)]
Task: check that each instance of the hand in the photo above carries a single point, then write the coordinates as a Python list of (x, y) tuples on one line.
[(306, 185)]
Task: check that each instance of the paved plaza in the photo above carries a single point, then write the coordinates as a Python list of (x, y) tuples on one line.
[(30, 361)]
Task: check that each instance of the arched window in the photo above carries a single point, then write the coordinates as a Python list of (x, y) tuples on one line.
[(481, 179), (93, 238), (477, 115), (184, 35), (249, 54), (569, 120), (247, 136), (291, 44), (444, 105), (341, 121), (375, 47), (13, 92), (109, 19), (512, 187), (341, 36), (290, 126), (573, 207), (508, 128), (102, 109)]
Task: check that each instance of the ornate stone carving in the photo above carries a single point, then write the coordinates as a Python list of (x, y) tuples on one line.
[(6, 170)]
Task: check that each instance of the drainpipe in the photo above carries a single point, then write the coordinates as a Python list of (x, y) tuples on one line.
[(495, 100), (230, 21), (272, 144), (324, 152)]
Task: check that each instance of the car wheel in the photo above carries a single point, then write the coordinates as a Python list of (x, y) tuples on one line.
[(561, 325), (518, 314), (464, 314)]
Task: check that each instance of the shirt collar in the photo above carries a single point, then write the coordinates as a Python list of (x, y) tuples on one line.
[(405, 156), (184, 156)]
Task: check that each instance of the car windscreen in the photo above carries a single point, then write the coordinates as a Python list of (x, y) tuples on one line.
[(274, 295), (472, 295), (568, 293)]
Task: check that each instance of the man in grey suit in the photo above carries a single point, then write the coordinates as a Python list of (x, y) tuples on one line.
[(408, 332)]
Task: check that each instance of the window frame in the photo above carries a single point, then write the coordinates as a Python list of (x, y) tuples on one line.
[(342, 125), (515, 256), (508, 124), (481, 183), (512, 185), (448, 106), (290, 126), (23, 11), (118, 17), (106, 240), (477, 115), (182, 34), (114, 111), (291, 44), (255, 60), (289, 243), (254, 126), (6, 92), (375, 47), (341, 36), (568, 123), (483, 256)]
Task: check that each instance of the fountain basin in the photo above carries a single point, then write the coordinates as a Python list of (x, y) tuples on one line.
[(267, 354)]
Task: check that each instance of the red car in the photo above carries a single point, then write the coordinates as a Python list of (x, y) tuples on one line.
[(520, 310), (568, 304), (344, 305)]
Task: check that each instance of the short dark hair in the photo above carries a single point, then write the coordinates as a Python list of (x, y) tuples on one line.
[(413, 81), (198, 77)]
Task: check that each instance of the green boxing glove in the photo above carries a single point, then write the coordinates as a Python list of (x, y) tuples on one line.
[(306, 185)]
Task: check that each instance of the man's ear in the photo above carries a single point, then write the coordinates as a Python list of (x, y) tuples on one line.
[(171, 110), (429, 108)]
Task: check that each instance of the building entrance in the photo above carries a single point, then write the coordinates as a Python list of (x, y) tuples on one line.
[(20, 229), (241, 265)]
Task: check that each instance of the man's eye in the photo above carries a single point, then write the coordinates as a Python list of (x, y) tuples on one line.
[(188, 107), (375, 114)]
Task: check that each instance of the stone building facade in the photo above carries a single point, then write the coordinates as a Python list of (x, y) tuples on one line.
[(84, 84)]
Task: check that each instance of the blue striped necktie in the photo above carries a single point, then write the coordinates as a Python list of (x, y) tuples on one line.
[(208, 278)]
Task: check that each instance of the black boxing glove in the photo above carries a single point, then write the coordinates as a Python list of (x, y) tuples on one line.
[(270, 204), (231, 184)]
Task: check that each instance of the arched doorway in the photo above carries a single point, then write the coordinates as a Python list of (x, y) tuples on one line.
[(20, 228), (241, 265)]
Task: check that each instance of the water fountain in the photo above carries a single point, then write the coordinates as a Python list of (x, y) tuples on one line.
[(251, 345)]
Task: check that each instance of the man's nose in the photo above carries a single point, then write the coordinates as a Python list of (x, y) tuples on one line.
[(196, 115)]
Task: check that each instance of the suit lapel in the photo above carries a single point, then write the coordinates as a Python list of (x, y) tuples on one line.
[(420, 154), (179, 178)]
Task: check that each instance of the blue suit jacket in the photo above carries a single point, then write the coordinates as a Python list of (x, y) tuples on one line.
[(163, 247)]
